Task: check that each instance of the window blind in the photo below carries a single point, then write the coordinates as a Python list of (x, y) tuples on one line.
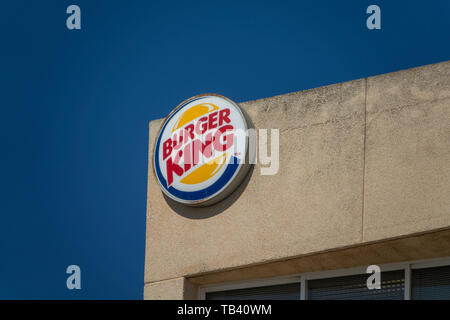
[(431, 283), (354, 287), (289, 291)]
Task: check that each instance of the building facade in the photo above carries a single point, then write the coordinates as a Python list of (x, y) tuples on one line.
[(364, 179)]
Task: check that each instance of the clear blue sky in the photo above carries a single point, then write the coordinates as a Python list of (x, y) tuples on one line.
[(76, 106)]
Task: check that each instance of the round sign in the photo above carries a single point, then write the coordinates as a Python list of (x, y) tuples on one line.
[(201, 152)]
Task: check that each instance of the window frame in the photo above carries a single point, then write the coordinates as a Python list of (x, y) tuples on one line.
[(303, 278)]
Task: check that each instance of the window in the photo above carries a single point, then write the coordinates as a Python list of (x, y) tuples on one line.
[(355, 288), (431, 283), (428, 279), (290, 291)]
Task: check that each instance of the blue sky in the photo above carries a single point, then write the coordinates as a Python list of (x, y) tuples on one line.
[(76, 107)]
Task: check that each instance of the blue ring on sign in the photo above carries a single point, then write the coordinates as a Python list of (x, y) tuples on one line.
[(200, 194)]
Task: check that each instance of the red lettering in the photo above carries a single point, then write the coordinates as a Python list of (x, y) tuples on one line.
[(187, 158), (178, 139), (190, 129), (204, 148), (167, 148), (228, 139), (201, 126), (212, 121), (198, 150), (223, 116), (171, 168)]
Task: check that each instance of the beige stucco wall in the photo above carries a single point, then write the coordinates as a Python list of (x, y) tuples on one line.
[(172, 289), (360, 162), (407, 180)]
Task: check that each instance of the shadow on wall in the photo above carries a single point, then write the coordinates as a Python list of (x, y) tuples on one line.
[(210, 211)]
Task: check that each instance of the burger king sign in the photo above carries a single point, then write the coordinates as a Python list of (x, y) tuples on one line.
[(201, 152)]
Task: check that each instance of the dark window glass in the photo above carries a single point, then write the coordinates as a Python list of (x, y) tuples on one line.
[(431, 283), (355, 287), (289, 291)]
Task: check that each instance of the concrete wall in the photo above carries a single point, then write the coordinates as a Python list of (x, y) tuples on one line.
[(172, 289), (361, 162)]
